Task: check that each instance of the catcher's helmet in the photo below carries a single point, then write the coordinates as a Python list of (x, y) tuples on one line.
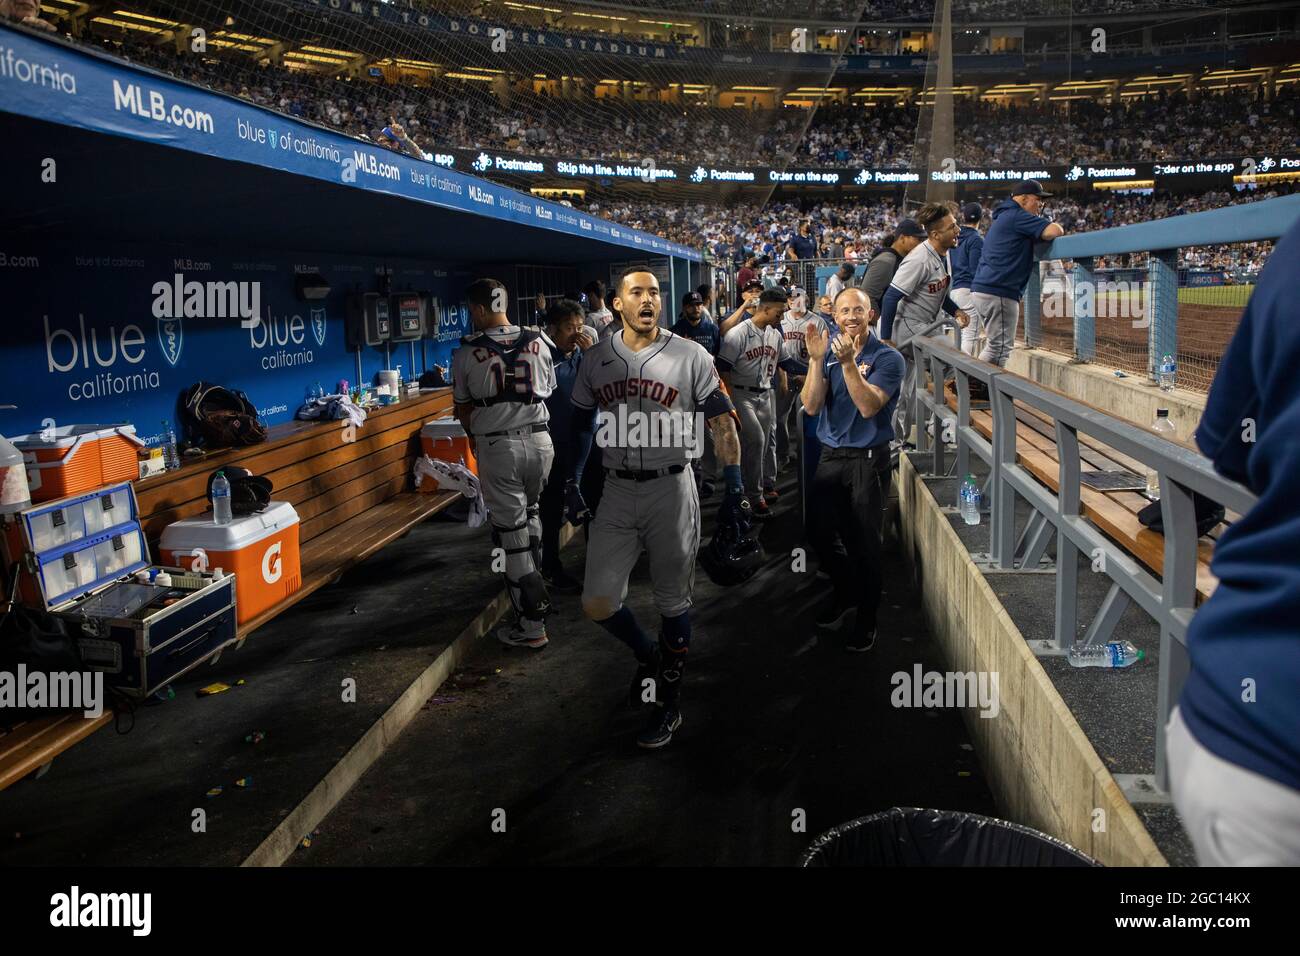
[(732, 556)]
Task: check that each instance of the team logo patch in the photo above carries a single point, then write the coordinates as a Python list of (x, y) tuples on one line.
[(318, 319), (171, 336)]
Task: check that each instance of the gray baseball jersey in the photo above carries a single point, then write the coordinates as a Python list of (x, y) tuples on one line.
[(673, 375), (751, 353), (478, 372), (923, 278), (793, 328), (659, 516)]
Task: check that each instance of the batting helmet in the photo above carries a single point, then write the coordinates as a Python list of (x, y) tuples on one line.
[(732, 556)]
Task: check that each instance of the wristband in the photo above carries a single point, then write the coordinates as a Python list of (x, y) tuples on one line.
[(731, 476)]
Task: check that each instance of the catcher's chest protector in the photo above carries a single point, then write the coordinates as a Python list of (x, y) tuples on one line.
[(509, 359)]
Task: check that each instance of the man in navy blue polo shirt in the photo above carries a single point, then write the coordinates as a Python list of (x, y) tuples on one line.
[(1005, 261), (852, 385), (1234, 739), (695, 326)]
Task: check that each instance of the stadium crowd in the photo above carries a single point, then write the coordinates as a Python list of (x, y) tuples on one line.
[(853, 229), (473, 115)]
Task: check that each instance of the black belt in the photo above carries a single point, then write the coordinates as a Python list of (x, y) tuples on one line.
[(875, 451), (750, 389), (530, 429), (645, 475)]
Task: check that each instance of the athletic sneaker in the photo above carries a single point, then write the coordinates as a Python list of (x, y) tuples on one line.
[(706, 489), (561, 581), (832, 615), (514, 635), (979, 392), (659, 729), (859, 641), (761, 511), (771, 494)]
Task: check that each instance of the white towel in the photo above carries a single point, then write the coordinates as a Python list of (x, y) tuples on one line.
[(454, 477)]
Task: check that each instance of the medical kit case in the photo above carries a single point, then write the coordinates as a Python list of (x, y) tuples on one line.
[(79, 558)]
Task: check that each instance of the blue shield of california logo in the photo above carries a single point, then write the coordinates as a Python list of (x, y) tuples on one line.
[(318, 326), (171, 336)]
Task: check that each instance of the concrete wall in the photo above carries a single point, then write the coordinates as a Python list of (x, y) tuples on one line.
[(1041, 767), (1130, 398)]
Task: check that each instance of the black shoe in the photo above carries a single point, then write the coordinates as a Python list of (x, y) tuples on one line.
[(861, 641), (706, 489), (645, 670), (659, 729), (561, 581), (832, 615)]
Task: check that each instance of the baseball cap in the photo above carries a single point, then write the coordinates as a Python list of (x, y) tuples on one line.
[(753, 284), (910, 227), (1029, 187), (972, 212), (692, 298)]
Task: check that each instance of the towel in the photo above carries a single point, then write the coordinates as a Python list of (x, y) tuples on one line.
[(454, 477)]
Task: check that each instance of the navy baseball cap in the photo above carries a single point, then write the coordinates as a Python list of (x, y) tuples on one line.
[(910, 227), (1029, 187), (753, 284), (972, 212), (692, 298)]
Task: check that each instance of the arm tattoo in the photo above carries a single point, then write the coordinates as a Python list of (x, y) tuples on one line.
[(726, 443)]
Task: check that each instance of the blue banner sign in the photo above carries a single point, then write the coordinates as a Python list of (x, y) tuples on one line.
[(49, 80)]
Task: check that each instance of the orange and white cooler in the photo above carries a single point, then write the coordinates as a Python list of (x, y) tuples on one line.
[(445, 439), (261, 550), (78, 458)]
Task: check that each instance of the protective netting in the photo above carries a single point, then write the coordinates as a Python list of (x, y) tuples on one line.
[(531, 79)]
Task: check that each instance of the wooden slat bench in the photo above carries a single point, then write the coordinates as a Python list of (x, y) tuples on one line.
[(1113, 512), (352, 499)]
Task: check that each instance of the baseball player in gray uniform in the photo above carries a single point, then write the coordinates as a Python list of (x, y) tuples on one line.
[(501, 376), (748, 358), (643, 374), (917, 293), (793, 361)]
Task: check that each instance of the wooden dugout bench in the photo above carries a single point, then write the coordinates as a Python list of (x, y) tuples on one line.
[(353, 497), (1115, 513)]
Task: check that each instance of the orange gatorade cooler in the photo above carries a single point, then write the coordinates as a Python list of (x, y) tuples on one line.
[(77, 458), (261, 550), (445, 439)]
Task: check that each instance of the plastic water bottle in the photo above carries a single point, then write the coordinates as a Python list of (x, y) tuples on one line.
[(974, 499), (220, 499), (970, 498), (1166, 373), (171, 457), (1111, 654), (1165, 429)]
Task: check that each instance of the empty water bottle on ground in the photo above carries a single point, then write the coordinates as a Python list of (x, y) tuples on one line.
[(1166, 372), (1110, 654), (220, 499), (1165, 429), (171, 457)]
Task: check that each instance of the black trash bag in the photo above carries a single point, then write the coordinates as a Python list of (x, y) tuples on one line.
[(908, 836), (1208, 515)]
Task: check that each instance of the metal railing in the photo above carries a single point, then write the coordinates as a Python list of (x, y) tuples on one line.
[(1169, 598), (1131, 319)]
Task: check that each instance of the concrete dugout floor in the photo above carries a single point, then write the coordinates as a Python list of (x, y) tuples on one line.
[(777, 720)]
